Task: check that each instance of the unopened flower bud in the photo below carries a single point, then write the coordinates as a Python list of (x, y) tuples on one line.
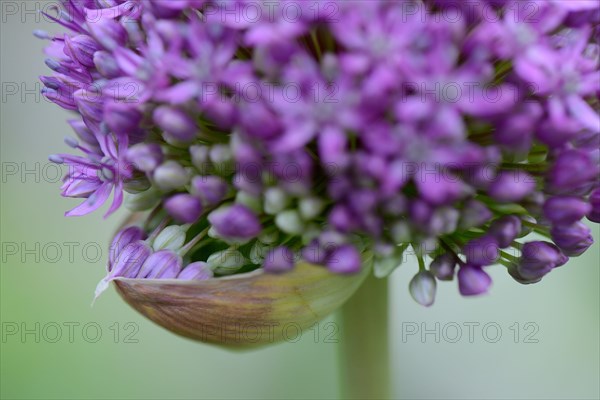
[(211, 190), (127, 264), (278, 260), (268, 237), (170, 238), (505, 230), (565, 209), (143, 201), (401, 232), (482, 251), (145, 156), (289, 221), (163, 264), (200, 157), (276, 200), (235, 223), (442, 267), (310, 207), (106, 64), (249, 200), (177, 125), (122, 239), (197, 271), (258, 252), (226, 262), (184, 207), (594, 214), (573, 239), (474, 214), (473, 280), (344, 260), (422, 288), (170, 176), (221, 156), (537, 259), (511, 186)]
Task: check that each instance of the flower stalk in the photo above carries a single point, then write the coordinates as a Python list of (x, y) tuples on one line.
[(364, 350)]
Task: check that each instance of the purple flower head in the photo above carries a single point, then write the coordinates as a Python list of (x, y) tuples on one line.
[(376, 126), (573, 239), (473, 280), (235, 223), (278, 260)]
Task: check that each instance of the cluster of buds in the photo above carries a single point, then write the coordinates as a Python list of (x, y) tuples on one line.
[(258, 140)]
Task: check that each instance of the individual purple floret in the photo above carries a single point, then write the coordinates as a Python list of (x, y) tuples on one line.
[(538, 259), (473, 280), (235, 223), (197, 271)]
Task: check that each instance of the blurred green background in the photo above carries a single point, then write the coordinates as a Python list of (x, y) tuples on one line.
[(109, 351)]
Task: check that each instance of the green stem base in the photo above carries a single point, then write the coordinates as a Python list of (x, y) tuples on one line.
[(364, 350)]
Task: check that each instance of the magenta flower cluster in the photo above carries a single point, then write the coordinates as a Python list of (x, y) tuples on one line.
[(258, 133)]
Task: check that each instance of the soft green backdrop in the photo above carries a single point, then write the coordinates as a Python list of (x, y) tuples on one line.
[(564, 363)]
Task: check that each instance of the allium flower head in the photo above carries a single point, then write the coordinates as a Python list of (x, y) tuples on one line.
[(382, 127)]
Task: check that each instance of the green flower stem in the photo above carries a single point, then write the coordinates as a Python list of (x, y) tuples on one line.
[(364, 349)]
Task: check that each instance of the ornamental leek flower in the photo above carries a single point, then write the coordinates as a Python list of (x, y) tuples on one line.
[(373, 130)]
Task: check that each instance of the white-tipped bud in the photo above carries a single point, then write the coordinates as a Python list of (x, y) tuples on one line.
[(248, 200), (170, 176), (200, 157), (310, 207), (422, 288), (222, 158), (170, 238), (268, 237), (276, 200), (212, 232), (290, 222), (400, 232), (226, 262)]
